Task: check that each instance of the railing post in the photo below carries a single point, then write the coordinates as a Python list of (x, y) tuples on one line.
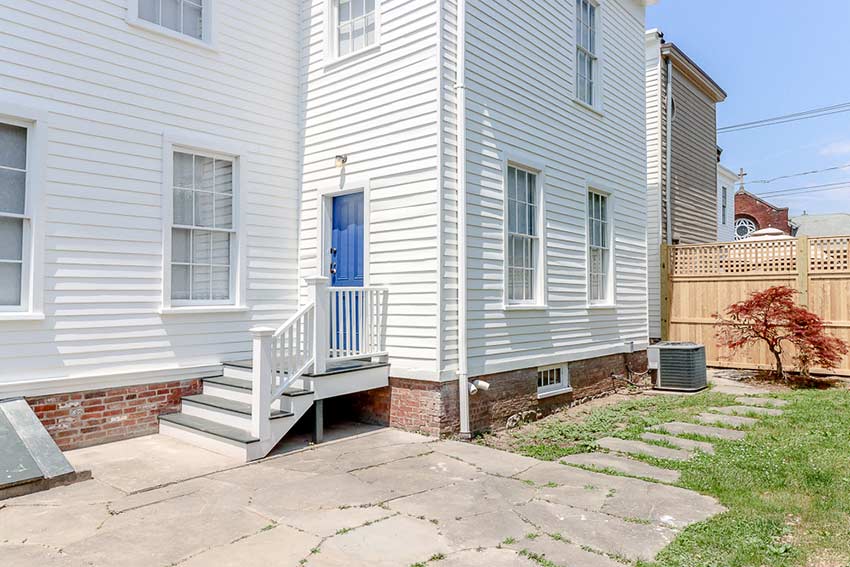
[(263, 372), (318, 290)]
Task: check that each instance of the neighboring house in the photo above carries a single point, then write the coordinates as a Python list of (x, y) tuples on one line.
[(753, 213), (832, 224), (460, 183), (726, 182), (682, 175)]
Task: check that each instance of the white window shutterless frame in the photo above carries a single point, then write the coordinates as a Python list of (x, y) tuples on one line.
[(23, 136), (599, 249), (203, 244), (553, 380), (587, 52), (353, 27), (188, 20), (525, 243)]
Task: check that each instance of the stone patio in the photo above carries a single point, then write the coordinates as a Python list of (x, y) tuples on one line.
[(374, 498)]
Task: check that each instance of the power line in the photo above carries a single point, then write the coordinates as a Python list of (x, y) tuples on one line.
[(807, 189), (801, 174), (787, 118)]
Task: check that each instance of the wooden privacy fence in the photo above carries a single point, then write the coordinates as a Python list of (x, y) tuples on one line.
[(700, 280)]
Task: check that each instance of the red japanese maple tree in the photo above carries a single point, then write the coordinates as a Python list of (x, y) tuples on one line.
[(771, 316)]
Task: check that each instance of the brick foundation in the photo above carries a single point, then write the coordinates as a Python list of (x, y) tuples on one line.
[(81, 419), (431, 408)]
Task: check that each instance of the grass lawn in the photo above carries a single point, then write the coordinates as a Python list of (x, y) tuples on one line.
[(786, 486)]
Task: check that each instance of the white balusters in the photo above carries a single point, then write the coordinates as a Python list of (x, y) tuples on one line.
[(357, 322)]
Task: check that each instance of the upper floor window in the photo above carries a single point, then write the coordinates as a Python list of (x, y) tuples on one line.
[(203, 229), (182, 16), (354, 25), (598, 248), (724, 205), (523, 236), (586, 57), (14, 221)]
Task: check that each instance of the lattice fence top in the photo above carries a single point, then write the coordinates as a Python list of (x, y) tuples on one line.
[(829, 254), (752, 258)]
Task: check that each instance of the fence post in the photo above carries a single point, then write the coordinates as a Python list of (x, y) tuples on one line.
[(318, 291), (665, 292), (803, 270), (261, 388)]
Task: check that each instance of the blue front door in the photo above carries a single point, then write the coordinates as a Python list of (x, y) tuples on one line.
[(347, 241)]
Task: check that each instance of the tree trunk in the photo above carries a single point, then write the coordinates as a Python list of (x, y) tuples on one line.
[(780, 372)]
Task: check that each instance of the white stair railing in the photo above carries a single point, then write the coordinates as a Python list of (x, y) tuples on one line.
[(340, 323)]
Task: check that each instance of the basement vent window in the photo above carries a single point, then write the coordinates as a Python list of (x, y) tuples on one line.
[(553, 380)]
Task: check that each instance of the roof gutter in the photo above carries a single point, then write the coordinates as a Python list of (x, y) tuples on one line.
[(463, 352)]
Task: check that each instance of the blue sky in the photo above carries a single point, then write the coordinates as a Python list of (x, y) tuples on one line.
[(774, 57)]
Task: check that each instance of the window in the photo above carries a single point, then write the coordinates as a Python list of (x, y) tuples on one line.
[(599, 248), (203, 229), (586, 58), (744, 227), (355, 26), (182, 16), (553, 380), (723, 205), (523, 242), (14, 222)]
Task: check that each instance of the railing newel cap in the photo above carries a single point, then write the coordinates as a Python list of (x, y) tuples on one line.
[(262, 331)]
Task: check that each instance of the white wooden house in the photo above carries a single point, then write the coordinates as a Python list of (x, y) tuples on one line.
[(261, 205)]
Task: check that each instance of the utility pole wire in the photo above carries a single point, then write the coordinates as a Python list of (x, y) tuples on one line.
[(805, 115), (801, 174)]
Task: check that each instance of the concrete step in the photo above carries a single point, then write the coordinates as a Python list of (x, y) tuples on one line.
[(623, 465), (761, 402), (747, 410), (730, 420), (686, 444), (640, 448), (681, 428)]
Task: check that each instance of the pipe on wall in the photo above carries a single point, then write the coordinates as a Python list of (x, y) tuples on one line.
[(668, 217), (463, 353)]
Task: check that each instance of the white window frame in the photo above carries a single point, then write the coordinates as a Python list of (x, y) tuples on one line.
[(217, 148), (34, 120), (332, 55), (610, 284), (208, 23), (724, 204), (598, 57), (556, 389), (540, 300)]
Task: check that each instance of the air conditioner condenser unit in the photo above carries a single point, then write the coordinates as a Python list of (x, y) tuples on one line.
[(680, 366)]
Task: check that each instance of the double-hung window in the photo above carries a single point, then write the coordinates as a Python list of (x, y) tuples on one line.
[(354, 25), (203, 229), (724, 205), (523, 236), (598, 248), (14, 222), (182, 16), (586, 54)]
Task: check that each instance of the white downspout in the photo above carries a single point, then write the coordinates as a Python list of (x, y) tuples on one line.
[(668, 217), (463, 355)]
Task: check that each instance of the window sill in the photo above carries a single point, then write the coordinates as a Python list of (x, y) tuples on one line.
[(190, 309), (334, 63), (21, 316), (165, 32), (594, 109), (553, 393), (601, 307), (521, 307)]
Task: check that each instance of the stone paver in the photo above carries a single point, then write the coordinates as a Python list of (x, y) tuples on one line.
[(761, 402), (681, 428), (385, 498), (747, 410), (735, 388), (624, 465), (598, 531), (639, 448), (686, 444), (562, 553), (729, 420)]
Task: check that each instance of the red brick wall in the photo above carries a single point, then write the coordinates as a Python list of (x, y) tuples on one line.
[(81, 419), (431, 408), (764, 215)]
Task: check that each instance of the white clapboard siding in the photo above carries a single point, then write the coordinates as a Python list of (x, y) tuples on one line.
[(110, 91), (380, 109), (656, 161), (519, 85)]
